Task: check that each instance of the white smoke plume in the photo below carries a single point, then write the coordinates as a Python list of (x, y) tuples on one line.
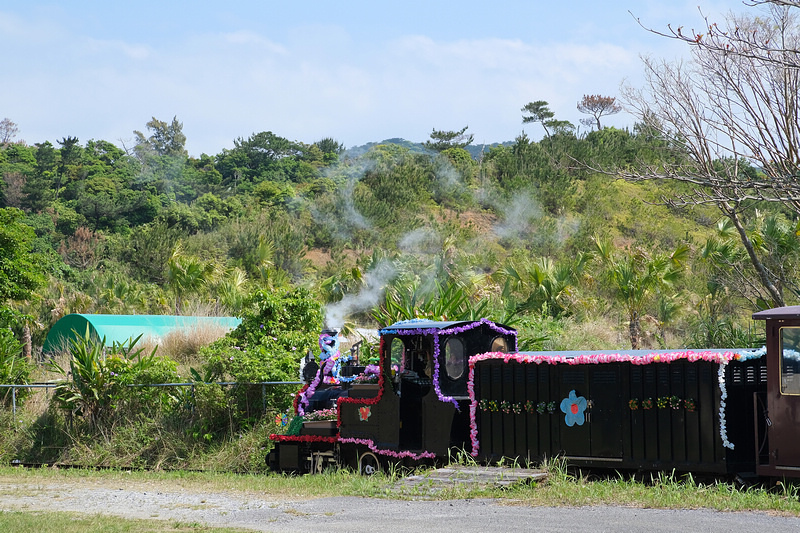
[(420, 240), (368, 297), (345, 218), (517, 216)]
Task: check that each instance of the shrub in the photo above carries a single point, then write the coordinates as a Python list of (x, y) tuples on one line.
[(132, 374), (14, 369), (267, 346), (97, 384)]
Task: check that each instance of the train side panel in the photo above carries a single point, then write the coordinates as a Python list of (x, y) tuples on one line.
[(619, 415)]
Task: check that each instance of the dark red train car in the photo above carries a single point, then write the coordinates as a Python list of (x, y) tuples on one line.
[(777, 428)]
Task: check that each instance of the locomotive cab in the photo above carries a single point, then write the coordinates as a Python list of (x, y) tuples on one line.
[(428, 366)]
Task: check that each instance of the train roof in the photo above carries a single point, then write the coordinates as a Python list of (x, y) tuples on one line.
[(425, 324), (788, 312)]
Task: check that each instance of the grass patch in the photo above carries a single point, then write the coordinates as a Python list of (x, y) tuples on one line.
[(57, 522), (329, 483), (561, 488), (659, 491)]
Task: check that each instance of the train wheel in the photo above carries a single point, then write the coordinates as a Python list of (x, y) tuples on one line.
[(317, 463), (368, 464)]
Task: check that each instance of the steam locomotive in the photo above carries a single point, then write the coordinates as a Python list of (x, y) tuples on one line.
[(443, 386)]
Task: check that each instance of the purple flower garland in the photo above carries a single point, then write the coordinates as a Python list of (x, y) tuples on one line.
[(435, 332), (329, 354)]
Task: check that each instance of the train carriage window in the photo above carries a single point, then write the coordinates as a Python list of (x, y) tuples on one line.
[(398, 352), (790, 360), (499, 344), (454, 360)]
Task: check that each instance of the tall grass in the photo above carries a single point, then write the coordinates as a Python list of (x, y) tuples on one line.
[(61, 522), (665, 490), (184, 345)]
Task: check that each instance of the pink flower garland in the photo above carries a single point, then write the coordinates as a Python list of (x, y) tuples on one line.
[(590, 359), (391, 453), (364, 442), (596, 359)]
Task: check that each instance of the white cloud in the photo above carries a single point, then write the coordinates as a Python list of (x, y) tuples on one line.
[(308, 81), (113, 48)]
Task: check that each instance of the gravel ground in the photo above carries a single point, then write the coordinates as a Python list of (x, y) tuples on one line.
[(160, 500)]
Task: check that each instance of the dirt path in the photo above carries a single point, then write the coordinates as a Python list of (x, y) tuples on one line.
[(260, 512)]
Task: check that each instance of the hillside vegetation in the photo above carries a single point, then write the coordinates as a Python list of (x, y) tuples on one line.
[(514, 234), (293, 237)]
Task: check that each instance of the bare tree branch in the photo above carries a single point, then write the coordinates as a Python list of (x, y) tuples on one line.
[(733, 114)]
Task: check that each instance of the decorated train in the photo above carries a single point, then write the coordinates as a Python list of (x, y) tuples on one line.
[(442, 387)]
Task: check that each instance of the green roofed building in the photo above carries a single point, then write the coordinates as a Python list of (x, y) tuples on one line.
[(123, 328)]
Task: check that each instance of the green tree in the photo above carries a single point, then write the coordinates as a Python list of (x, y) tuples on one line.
[(147, 251), (442, 140), (539, 111), (262, 156), (20, 269), (278, 328), (331, 150), (70, 153), (166, 139), (162, 155), (39, 188)]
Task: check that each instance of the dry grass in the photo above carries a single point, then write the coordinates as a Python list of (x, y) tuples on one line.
[(597, 334), (607, 333), (183, 345)]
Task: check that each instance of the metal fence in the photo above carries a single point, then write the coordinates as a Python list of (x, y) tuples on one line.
[(263, 384)]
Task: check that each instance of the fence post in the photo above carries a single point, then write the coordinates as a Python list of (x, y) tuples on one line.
[(14, 401)]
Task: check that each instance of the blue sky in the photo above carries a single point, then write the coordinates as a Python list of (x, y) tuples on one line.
[(357, 71)]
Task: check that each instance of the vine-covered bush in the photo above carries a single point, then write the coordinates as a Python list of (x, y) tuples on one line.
[(267, 346)]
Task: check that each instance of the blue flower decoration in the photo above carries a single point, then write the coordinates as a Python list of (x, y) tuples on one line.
[(573, 408)]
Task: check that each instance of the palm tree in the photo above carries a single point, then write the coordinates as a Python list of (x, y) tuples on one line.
[(637, 278), (231, 290), (543, 286), (188, 274), (407, 299), (776, 241)]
